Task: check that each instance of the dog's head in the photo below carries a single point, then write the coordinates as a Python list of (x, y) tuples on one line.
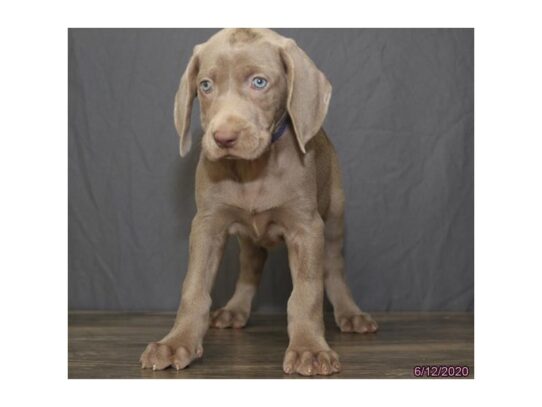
[(246, 81)]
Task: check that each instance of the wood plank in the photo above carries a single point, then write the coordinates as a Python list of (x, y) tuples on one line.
[(108, 345)]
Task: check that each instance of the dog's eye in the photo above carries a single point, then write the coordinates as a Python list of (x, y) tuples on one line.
[(259, 83), (206, 86)]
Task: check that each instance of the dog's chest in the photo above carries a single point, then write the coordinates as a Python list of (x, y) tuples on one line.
[(257, 216), (260, 228)]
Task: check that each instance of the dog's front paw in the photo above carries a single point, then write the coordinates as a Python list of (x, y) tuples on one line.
[(228, 318), (360, 323), (311, 363), (159, 356)]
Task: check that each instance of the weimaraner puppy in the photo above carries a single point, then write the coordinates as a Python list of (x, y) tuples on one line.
[(267, 173)]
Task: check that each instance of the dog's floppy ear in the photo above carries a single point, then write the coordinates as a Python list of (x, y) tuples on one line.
[(183, 103), (309, 93)]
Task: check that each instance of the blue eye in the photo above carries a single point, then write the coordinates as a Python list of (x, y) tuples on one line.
[(206, 86), (259, 83)]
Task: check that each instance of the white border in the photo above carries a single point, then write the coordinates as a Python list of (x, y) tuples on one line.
[(33, 170)]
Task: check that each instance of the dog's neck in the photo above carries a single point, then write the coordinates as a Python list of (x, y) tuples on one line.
[(281, 127)]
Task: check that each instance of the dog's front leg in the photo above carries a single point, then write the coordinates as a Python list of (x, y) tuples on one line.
[(183, 343), (308, 352)]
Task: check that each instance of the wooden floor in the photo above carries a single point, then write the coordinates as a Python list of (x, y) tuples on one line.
[(108, 345)]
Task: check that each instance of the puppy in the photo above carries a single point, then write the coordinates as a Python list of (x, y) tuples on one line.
[(267, 173)]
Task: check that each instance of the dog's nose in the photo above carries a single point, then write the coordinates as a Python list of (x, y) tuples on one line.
[(225, 139)]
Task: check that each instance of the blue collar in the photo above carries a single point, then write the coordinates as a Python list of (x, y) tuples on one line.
[(281, 127)]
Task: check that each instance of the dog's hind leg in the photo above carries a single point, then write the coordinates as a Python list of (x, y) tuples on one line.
[(348, 316), (236, 312)]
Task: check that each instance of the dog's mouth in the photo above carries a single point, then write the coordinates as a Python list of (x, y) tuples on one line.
[(225, 154)]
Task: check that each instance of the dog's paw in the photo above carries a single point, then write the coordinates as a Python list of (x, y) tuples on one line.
[(311, 363), (159, 356), (359, 323), (228, 318)]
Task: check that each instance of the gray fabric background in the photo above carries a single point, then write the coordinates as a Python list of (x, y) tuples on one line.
[(401, 119)]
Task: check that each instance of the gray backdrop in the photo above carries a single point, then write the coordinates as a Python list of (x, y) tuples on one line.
[(401, 118)]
